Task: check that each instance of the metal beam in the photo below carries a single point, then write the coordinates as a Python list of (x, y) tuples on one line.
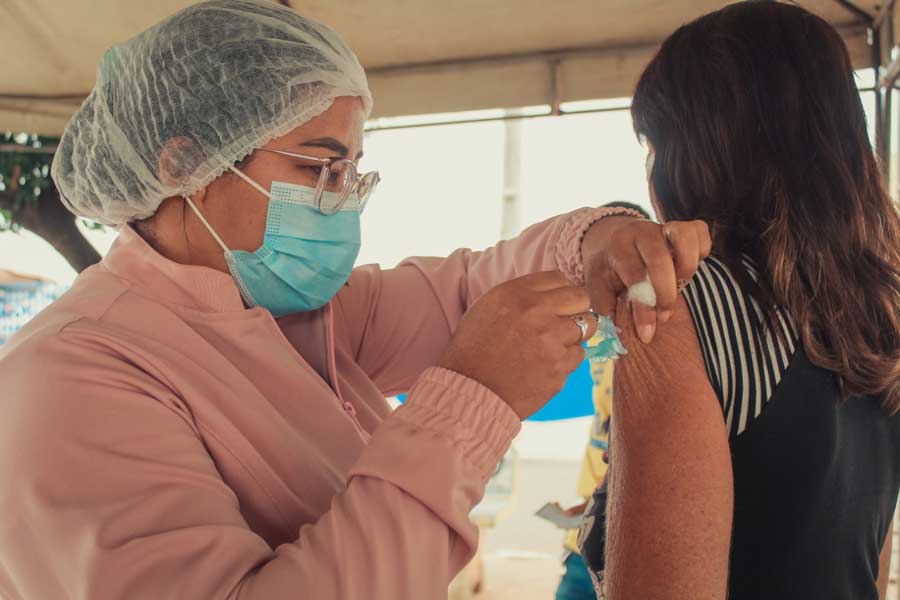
[(883, 14), (375, 126), (857, 11), (545, 55), (416, 122)]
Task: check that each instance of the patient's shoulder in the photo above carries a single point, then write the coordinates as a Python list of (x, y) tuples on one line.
[(745, 353)]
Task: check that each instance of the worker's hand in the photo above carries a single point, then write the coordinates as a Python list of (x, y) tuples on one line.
[(520, 339), (619, 252)]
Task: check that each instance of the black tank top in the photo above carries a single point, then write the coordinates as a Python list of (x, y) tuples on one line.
[(816, 478)]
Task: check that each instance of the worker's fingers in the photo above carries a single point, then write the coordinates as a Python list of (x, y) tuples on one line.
[(705, 237), (652, 264), (566, 301), (644, 321), (604, 287), (543, 281), (574, 332), (661, 270), (684, 243), (574, 357), (628, 262)]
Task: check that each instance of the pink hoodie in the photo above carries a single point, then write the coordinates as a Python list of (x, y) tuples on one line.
[(161, 441)]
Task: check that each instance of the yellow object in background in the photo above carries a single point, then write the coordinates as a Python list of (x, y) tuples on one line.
[(593, 468)]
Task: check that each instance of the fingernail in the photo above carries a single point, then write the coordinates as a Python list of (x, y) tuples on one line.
[(645, 333), (665, 315)]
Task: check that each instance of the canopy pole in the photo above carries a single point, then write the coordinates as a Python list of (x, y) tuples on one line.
[(555, 66), (875, 25), (884, 24), (885, 85), (510, 210)]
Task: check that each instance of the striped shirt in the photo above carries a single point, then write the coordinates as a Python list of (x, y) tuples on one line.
[(744, 358), (815, 481)]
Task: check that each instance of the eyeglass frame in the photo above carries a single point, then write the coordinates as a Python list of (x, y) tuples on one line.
[(327, 163)]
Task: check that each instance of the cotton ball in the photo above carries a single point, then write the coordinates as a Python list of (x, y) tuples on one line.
[(642, 292)]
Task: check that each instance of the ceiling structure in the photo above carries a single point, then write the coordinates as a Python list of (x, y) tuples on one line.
[(422, 56)]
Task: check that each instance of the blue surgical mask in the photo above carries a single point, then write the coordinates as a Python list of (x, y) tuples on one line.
[(306, 256)]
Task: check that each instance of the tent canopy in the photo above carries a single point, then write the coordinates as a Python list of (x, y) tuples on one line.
[(422, 57)]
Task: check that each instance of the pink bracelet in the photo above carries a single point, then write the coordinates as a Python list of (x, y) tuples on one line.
[(568, 248)]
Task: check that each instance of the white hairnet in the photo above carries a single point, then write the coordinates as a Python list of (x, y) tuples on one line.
[(175, 106)]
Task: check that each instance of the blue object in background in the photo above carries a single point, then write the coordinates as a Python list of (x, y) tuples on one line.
[(575, 399), (21, 300)]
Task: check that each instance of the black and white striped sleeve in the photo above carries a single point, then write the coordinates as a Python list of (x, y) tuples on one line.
[(744, 358)]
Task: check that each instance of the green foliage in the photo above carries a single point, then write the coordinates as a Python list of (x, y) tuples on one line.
[(29, 157), (31, 163)]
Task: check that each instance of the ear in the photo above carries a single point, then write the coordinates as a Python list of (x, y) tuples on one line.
[(178, 159)]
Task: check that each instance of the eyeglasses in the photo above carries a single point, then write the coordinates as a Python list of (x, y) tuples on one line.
[(340, 176)]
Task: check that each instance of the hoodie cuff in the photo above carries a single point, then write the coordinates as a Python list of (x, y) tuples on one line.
[(568, 247), (473, 418)]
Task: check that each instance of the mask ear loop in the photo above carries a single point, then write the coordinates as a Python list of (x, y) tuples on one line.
[(244, 290), (255, 185), (206, 223)]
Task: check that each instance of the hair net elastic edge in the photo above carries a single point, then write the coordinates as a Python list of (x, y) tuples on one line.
[(289, 125)]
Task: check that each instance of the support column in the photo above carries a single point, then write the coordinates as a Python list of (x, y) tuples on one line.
[(510, 215)]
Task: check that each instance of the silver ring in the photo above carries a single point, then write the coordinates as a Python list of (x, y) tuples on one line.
[(583, 324)]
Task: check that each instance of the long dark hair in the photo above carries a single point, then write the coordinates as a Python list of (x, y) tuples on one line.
[(758, 128)]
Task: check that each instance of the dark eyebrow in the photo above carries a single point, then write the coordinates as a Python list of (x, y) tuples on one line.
[(329, 144), (332, 144)]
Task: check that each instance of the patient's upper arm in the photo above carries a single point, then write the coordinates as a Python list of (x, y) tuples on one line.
[(671, 490)]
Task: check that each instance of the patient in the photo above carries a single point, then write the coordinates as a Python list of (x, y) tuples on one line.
[(754, 453)]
